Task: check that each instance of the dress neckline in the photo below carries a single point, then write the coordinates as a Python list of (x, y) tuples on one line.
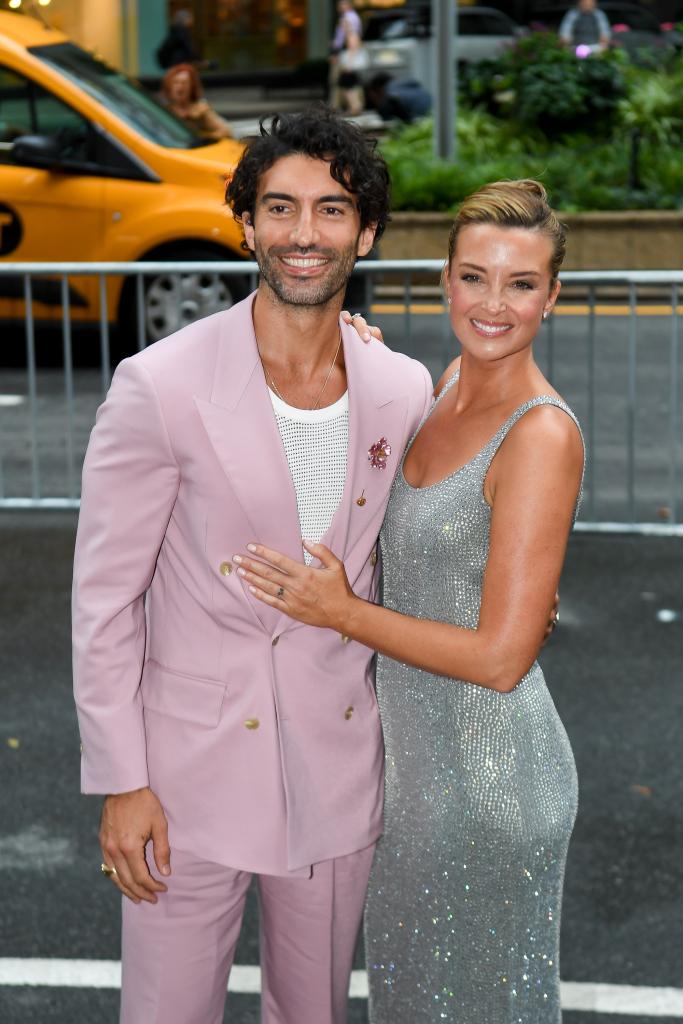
[(551, 399)]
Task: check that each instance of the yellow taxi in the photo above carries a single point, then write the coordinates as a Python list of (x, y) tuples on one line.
[(92, 168)]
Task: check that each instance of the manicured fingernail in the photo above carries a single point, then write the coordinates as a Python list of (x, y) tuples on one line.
[(251, 547), (252, 590), (237, 558), (367, 336), (166, 870), (241, 572)]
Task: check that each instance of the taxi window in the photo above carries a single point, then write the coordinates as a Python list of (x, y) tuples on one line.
[(121, 95), (27, 109)]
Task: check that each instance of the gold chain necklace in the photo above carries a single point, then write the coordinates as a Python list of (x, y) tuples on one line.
[(271, 382)]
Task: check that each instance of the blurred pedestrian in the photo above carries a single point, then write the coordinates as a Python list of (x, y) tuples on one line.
[(347, 59), (182, 94), (585, 28), (348, 22), (352, 62), (403, 99), (179, 47)]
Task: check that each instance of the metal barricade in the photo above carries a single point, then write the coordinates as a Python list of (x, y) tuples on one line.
[(611, 349)]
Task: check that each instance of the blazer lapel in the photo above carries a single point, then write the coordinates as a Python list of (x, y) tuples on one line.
[(242, 429), (377, 411)]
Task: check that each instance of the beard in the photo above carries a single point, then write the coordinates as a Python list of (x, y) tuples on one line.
[(302, 292)]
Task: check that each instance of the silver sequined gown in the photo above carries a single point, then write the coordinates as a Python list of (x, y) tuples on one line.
[(463, 911)]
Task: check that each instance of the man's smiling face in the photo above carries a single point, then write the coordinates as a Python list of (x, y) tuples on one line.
[(305, 232)]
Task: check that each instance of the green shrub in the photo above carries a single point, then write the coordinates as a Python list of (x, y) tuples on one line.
[(523, 121), (579, 173), (653, 106), (540, 83)]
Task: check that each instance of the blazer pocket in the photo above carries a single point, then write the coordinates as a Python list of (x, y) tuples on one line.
[(180, 696)]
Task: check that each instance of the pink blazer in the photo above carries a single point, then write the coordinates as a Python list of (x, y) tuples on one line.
[(260, 736)]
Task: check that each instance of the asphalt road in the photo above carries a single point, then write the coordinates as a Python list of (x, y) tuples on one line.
[(614, 669)]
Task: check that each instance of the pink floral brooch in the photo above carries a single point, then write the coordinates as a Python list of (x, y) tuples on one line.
[(379, 453)]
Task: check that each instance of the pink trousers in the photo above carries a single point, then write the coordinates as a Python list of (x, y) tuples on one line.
[(177, 954)]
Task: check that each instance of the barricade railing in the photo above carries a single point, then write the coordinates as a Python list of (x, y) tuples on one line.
[(612, 349)]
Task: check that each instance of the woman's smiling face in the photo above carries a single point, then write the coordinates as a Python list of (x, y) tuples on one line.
[(499, 284)]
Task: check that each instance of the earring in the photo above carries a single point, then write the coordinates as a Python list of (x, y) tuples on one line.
[(546, 314), (448, 299)]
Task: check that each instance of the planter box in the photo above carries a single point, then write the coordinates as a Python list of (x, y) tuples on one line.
[(638, 240)]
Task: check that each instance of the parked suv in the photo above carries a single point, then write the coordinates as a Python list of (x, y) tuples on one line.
[(92, 168), (400, 42)]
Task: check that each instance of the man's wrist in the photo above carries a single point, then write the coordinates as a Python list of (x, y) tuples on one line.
[(128, 792)]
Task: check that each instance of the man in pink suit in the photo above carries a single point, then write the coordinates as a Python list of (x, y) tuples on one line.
[(228, 739)]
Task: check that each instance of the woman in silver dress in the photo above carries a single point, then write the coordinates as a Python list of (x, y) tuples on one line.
[(463, 912)]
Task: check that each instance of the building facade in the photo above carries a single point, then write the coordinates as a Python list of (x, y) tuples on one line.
[(238, 36)]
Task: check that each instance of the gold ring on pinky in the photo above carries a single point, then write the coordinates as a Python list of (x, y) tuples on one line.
[(106, 870)]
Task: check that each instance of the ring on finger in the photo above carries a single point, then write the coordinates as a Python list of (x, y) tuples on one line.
[(107, 870), (280, 592), (354, 315)]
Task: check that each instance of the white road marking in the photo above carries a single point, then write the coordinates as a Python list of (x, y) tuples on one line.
[(60, 973), (666, 615), (34, 849), (630, 1000)]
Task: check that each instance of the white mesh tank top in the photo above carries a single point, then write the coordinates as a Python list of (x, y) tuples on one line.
[(316, 444)]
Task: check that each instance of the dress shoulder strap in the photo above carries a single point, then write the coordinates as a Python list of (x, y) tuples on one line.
[(447, 387), (454, 377)]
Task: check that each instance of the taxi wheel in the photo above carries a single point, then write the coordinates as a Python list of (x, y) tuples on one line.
[(172, 301)]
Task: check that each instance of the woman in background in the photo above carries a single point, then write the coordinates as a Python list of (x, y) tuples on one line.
[(463, 912), (182, 94)]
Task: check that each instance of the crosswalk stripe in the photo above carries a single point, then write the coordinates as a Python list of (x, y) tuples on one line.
[(629, 1000)]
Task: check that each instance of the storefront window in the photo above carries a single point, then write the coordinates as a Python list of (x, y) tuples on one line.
[(246, 35)]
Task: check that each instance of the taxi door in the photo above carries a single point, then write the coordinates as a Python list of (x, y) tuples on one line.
[(51, 213)]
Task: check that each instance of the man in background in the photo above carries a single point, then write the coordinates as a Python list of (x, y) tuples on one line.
[(178, 47), (586, 25)]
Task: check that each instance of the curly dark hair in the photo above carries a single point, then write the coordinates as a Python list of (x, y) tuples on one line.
[(319, 133)]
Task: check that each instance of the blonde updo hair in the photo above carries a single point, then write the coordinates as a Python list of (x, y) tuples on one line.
[(512, 204)]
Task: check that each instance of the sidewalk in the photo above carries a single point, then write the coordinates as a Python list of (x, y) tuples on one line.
[(244, 102), (242, 107)]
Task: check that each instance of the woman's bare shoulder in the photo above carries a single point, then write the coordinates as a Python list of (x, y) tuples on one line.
[(549, 430), (542, 454)]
